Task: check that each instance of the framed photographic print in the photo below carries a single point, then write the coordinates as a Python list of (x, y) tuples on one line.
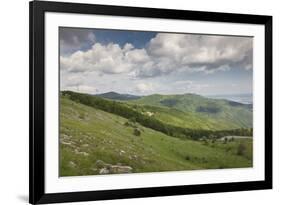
[(140, 102)]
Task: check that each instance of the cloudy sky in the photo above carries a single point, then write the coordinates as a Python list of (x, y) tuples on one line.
[(142, 63)]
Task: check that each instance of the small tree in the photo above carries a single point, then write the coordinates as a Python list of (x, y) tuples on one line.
[(241, 149), (187, 158), (137, 132), (133, 120)]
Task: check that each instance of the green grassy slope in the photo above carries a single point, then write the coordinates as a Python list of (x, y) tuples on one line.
[(179, 118), (214, 113), (88, 135)]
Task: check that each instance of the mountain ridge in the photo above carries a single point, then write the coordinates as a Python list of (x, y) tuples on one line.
[(117, 96), (193, 113), (125, 96)]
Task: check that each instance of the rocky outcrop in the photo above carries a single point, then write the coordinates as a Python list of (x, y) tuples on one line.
[(115, 169), (105, 168)]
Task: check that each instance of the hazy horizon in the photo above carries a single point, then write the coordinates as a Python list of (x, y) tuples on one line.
[(112, 91), (245, 98)]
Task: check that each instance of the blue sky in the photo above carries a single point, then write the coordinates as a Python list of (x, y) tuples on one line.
[(104, 36), (143, 63), (138, 39)]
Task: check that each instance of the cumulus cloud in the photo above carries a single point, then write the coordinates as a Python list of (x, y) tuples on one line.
[(107, 59), (73, 39), (164, 54), (203, 52)]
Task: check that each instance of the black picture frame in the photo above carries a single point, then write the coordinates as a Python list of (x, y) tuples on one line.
[(37, 9)]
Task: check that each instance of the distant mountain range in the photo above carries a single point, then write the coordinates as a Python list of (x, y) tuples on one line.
[(234, 99), (118, 96)]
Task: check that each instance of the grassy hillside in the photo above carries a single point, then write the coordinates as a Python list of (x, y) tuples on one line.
[(179, 118), (90, 138), (147, 119), (217, 114)]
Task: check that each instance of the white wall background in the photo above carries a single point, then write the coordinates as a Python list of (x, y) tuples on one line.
[(14, 100)]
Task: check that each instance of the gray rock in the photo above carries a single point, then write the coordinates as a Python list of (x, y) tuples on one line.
[(81, 153), (72, 164), (117, 169), (104, 171), (105, 168)]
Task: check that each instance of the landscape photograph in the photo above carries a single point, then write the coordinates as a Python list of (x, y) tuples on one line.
[(145, 101)]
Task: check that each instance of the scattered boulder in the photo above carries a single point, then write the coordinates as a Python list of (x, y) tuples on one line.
[(149, 113), (65, 143), (71, 164), (65, 136), (122, 152), (81, 153), (104, 171)]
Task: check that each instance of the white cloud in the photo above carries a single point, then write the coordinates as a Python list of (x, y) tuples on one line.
[(197, 51), (164, 54), (108, 59), (82, 89)]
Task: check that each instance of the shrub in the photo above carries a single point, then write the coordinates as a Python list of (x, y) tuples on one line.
[(187, 158), (82, 116), (241, 149), (137, 132), (132, 119)]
